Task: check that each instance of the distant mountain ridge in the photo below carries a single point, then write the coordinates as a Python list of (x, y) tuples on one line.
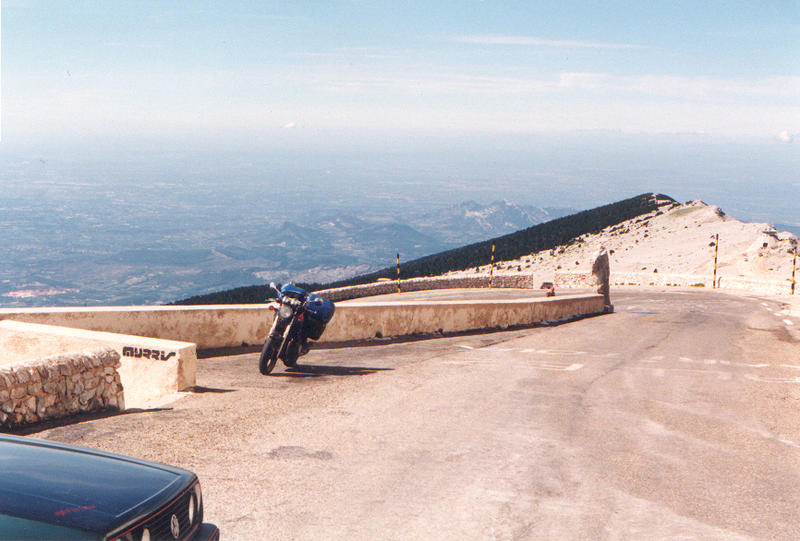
[(331, 246), (509, 246), (136, 257), (469, 221)]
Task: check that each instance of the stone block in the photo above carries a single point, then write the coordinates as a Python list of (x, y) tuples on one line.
[(22, 376), (41, 408), (29, 404), (7, 379), (71, 404), (87, 395), (53, 372), (33, 374)]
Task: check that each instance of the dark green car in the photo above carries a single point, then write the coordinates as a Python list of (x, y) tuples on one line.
[(54, 491)]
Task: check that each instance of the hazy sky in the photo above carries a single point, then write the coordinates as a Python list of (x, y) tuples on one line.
[(309, 74)]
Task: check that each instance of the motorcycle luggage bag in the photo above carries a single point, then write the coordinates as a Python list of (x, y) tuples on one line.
[(322, 312), (317, 315)]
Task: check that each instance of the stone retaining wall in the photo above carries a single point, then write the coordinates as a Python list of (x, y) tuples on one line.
[(572, 279), (421, 284), (59, 386), (366, 320)]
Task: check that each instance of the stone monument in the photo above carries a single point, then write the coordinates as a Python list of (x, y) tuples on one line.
[(601, 271)]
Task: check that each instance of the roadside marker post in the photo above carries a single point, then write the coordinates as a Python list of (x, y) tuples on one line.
[(491, 268), (716, 250), (794, 267), (398, 272)]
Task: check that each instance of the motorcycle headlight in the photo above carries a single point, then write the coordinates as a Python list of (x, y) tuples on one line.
[(285, 311)]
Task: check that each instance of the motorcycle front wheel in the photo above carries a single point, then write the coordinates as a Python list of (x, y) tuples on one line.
[(269, 355)]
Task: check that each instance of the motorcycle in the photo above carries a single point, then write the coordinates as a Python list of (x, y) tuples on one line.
[(299, 316)]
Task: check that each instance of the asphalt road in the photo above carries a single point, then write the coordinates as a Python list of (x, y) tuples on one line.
[(678, 416)]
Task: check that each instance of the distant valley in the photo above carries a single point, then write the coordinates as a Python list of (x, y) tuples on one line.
[(128, 252)]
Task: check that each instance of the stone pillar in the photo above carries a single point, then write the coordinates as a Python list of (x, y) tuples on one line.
[(601, 270)]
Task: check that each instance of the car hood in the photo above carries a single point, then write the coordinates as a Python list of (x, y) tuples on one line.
[(80, 488)]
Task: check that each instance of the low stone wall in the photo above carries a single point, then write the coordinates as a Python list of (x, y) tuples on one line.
[(207, 326), (233, 326), (364, 320), (385, 287), (59, 386), (581, 279), (151, 369)]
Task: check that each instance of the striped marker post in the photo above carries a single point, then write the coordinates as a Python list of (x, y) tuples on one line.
[(398, 272), (716, 250), (794, 267), (491, 268)]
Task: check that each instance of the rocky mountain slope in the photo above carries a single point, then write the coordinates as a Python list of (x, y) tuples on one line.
[(469, 221), (678, 240)]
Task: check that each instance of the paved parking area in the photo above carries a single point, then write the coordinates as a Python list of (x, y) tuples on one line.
[(676, 416)]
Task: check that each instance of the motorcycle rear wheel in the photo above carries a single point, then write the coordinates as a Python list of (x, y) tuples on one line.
[(269, 355)]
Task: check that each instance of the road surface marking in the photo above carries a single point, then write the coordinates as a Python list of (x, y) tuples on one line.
[(559, 368), (554, 351), (710, 361), (748, 365), (791, 366), (771, 380), (465, 347), (553, 366), (660, 372), (788, 321), (685, 360)]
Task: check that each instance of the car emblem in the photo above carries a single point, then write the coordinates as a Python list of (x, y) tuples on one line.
[(175, 527)]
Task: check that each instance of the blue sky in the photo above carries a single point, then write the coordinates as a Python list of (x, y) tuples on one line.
[(351, 75), (726, 68)]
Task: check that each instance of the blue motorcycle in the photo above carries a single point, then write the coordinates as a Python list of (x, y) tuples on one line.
[(299, 316)]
